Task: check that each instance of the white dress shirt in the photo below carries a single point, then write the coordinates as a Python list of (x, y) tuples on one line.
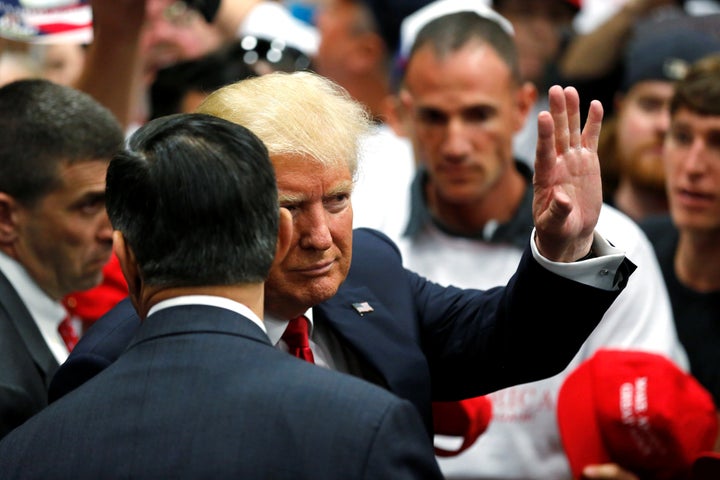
[(46, 312)]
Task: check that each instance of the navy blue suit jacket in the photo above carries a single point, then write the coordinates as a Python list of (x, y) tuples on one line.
[(425, 341), (201, 393)]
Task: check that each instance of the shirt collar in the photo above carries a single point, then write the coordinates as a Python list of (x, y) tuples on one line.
[(211, 300), (516, 231), (45, 311), (276, 326)]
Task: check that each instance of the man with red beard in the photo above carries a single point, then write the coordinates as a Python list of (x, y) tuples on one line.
[(631, 144)]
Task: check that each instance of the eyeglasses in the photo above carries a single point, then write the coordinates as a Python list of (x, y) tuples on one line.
[(179, 14), (266, 56)]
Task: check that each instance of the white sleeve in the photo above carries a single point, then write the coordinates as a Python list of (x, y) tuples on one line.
[(599, 271)]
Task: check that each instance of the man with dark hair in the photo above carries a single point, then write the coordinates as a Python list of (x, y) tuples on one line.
[(200, 391), (55, 237), (686, 241)]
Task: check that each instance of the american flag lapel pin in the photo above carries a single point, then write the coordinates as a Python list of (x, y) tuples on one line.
[(362, 308)]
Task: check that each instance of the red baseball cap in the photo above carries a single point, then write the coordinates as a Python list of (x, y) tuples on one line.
[(636, 409), (467, 419)]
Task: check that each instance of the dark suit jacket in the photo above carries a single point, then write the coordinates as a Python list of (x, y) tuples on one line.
[(26, 362), (201, 393), (425, 341)]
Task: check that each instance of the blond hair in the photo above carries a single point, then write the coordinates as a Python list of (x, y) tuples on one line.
[(298, 114)]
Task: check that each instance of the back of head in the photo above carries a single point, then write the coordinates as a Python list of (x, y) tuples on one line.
[(699, 90), (195, 199), (450, 25), (43, 124), (298, 114)]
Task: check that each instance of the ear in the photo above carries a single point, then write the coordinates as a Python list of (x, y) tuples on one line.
[(394, 115), (526, 96), (128, 265), (9, 212), (285, 236)]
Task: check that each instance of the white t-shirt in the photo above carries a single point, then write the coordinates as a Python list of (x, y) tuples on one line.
[(522, 441)]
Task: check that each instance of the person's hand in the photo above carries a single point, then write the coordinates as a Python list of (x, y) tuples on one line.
[(607, 471), (568, 192)]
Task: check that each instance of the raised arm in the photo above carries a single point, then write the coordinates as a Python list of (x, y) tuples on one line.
[(568, 192), (113, 63)]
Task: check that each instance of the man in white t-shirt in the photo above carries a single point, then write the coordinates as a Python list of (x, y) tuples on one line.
[(471, 205)]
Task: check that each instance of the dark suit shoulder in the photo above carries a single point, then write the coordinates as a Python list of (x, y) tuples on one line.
[(369, 240), (255, 401), (104, 341)]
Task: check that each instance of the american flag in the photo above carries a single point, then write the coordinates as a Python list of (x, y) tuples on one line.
[(362, 307), (45, 21)]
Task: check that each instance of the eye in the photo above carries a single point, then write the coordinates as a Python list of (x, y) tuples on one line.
[(650, 104), (337, 202), (478, 114), (681, 136), (431, 117), (91, 205)]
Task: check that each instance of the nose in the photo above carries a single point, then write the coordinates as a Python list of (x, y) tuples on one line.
[(105, 230), (456, 144), (662, 121), (313, 228), (694, 161)]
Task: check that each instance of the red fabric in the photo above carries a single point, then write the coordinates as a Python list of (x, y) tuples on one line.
[(636, 409), (467, 419), (68, 333), (574, 3), (94, 303), (297, 340)]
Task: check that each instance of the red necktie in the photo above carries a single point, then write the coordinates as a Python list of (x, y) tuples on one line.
[(68, 333), (296, 338)]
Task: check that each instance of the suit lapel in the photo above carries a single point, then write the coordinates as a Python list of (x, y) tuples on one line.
[(377, 337), (19, 315)]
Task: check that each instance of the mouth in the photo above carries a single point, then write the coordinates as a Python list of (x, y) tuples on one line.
[(694, 199), (317, 269)]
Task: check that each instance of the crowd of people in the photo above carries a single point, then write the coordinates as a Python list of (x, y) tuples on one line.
[(488, 230)]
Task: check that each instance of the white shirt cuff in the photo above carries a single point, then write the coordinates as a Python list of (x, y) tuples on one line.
[(598, 272)]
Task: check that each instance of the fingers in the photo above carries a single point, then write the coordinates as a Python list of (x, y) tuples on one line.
[(558, 110), (608, 471), (591, 132), (565, 111), (559, 131), (545, 153), (572, 105)]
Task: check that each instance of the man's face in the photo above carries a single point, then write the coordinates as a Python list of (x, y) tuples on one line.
[(643, 120), (173, 33), (65, 239), (539, 28), (319, 257), (339, 24), (692, 165), (462, 112)]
